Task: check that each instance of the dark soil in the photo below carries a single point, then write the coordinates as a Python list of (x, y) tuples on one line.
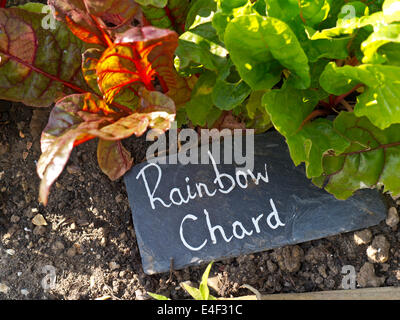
[(90, 240)]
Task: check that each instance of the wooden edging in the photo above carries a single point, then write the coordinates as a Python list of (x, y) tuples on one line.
[(382, 293)]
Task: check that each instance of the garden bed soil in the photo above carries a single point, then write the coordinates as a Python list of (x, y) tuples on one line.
[(89, 240)]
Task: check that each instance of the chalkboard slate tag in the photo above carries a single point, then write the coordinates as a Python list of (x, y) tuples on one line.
[(184, 213)]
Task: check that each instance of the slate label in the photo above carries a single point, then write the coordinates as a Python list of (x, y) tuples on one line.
[(197, 213)]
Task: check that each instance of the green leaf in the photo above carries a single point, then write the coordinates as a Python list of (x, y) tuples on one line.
[(308, 142), (227, 10), (205, 292), (372, 158), (384, 35), (201, 45), (379, 101), (37, 66), (390, 52), (201, 107), (229, 90), (311, 12), (158, 296), (200, 11), (194, 292), (171, 16), (314, 11), (356, 18), (155, 3), (261, 47)]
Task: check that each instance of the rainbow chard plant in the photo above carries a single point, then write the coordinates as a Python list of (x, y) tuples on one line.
[(324, 73)]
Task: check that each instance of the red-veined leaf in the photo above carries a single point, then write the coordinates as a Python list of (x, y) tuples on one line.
[(37, 65), (90, 58), (114, 160), (88, 19), (68, 126), (157, 111), (81, 117), (140, 57)]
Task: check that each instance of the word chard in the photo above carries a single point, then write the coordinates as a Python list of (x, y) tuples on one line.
[(324, 74)]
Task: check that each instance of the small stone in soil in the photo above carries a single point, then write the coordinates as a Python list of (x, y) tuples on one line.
[(363, 237), (367, 277), (378, 251)]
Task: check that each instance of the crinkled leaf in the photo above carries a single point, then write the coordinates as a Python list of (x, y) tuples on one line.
[(356, 20), (90, 59), (37, 66), (258, 118), (380, 100), (140, 57), (200, 109), (114, 160), (384, 35), (311, 12), (226, 11), (157, 111), (228, 94), (66, 128), (372, 158), (261, 47), (307, 143), (172, 16), (88, 19), (81, 117), (202, 46)]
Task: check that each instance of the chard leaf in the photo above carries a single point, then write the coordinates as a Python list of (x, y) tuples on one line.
[(258, 118), (229, 93), (226, 11), (81, 117), (140, 57), (155, 3), (201, 45), (357, 20), (288, 108), (201, 11), (384, 35), (372, 158), (379, 101), (311, 12), (171, 16), (37, 66), (66, 128), (200, 109), (266, 46), (88, 19), (90, 59), (114, 160)]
